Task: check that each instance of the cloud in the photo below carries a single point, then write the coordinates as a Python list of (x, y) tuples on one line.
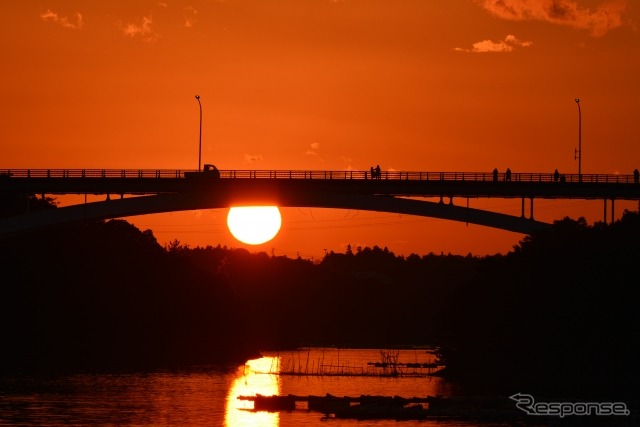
[(507, 45), (252, 158), (142, 30), (50, 16), (347, 161), (313, 149), (190, 16), (597, 21)]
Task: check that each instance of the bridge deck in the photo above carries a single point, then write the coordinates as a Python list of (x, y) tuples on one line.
[(280, 182)]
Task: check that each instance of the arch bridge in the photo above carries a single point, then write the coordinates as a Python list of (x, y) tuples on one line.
[(130, 192)]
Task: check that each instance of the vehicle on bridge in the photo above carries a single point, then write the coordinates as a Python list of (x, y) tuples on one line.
[(208, 171)]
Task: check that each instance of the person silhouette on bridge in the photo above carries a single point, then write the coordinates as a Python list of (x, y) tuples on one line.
[(507, 175), (556, 175), (378, 174), (373, 172), (495, 174), (636, 176)]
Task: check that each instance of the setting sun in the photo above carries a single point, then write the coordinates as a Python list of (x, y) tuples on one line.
[(254, 224)]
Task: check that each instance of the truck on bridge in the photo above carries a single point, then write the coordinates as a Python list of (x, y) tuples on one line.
[(208, 171)]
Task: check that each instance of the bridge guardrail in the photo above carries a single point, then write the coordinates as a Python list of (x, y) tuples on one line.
[(92, 173), (317, 174)]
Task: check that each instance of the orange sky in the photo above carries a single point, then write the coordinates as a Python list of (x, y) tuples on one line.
[(429, 85)]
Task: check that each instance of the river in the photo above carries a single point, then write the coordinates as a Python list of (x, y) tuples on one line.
[(209, 396)]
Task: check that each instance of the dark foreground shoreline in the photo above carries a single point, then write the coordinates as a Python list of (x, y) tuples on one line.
[(557, 316)]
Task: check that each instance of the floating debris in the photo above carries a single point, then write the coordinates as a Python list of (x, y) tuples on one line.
[(392, 407)]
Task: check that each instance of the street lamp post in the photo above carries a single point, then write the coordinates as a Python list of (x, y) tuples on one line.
[(578, 152), (200, 140)]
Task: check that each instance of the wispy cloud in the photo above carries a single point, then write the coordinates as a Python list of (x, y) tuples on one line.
[(252, 158), (347, 161), (507, 45), (598, 21), (142, 30), (190, 16), (64, 21), (313, 149)]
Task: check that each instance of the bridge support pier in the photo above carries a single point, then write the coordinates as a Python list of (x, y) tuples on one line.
[(613, 213), (530, 208)]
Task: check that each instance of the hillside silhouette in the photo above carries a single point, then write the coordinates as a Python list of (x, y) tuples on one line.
[(556, 315)]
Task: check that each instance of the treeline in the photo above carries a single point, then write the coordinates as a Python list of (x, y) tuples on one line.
[(556, 313)]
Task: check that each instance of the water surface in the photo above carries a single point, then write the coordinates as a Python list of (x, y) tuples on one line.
[(208, 396)]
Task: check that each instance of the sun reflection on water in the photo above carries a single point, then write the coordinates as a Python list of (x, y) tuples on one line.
[(239, 413)]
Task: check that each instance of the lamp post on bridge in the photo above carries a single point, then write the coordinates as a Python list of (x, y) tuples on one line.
[(200, 139), (578, 152)]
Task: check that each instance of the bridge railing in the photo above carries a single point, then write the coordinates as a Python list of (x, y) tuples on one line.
[(92, 173), (426, 176), (317, 174)]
